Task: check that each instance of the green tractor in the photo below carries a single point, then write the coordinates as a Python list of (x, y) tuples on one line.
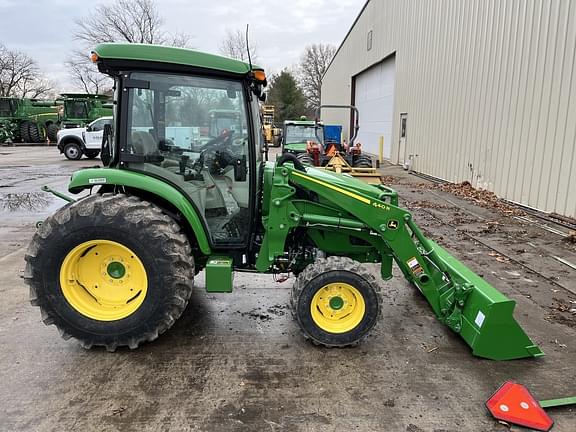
[(299, 135), (79, 109), (27, 120), (116, 267)]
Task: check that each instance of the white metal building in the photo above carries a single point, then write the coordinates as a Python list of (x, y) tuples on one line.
[(477, 90)]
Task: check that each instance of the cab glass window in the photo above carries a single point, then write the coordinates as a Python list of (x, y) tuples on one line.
[(193, 132)]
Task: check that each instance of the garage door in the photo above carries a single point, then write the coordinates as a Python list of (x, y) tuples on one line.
[(374, 98)]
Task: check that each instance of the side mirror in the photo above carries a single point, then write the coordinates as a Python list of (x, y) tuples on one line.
[(88, 128)]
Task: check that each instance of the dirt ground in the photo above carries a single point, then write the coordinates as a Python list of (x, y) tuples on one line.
[(237, 362)]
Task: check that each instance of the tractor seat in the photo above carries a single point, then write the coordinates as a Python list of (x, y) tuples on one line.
[(144, 144)]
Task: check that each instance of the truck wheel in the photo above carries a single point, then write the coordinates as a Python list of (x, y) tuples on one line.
[(72, 151), (336, 302), (305, 158), (363, 161), (92, 154), (52, 131), (110, 270), (24, 126)]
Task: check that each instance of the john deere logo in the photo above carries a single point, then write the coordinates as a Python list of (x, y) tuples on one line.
[(392, 224)]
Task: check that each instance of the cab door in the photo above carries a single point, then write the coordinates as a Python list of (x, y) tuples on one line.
[(214, 169)]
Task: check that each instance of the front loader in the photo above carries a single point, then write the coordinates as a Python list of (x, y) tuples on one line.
[(115, 268)]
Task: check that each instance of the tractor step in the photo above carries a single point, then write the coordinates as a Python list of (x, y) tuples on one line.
[(219, 275)]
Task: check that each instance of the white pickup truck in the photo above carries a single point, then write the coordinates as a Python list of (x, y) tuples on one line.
[(76, 142)]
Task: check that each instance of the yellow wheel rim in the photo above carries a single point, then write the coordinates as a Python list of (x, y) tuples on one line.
[(337, 307), (103, 280)]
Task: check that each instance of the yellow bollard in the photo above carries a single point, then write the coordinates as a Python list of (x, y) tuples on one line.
[(381, 149)]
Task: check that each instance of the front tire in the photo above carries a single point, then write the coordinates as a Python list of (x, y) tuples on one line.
[(336, 302), (72, 151), (110, 270)]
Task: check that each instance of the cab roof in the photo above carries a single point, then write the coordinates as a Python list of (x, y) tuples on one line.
[(171, 55)]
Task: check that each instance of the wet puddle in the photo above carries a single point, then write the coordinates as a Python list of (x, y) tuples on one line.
[(28, 205), (23, 201)]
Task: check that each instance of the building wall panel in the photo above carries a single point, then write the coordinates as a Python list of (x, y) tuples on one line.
[(489, 87)]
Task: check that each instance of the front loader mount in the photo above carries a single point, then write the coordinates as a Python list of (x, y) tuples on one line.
[(345, 208)]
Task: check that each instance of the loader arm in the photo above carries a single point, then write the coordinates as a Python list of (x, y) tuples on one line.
[(461, 299)]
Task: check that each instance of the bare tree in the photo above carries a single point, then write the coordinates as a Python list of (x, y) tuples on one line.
[(234, 45), (20, 75), (313, 65), (132, 21), (85, 75)]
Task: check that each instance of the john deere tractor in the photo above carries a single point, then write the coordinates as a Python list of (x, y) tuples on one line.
[(115, 267), (299, 135), (308, 141)]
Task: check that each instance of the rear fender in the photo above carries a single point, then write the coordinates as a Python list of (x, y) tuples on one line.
[(87, 178)]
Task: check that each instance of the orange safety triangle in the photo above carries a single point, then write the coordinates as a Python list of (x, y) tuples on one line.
[(513, 403)]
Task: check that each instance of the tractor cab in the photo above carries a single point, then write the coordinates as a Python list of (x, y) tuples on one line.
[(173, 129), (79, 109), (299, 135)]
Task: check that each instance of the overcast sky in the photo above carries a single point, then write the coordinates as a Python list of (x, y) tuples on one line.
[(280, 28)]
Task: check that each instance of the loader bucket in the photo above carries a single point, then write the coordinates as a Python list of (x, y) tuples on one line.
[(487, 321)]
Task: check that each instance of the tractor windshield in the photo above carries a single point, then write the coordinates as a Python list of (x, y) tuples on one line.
[(301, 133), (193, 132), (6, 108), (75, 109)]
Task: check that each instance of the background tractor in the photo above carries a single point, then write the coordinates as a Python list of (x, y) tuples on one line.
[(27, 120), (298, 136), (35, 121), (116, 267), (310, 143)]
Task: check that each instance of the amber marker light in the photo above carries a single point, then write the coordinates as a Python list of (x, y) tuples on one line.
[(93, 57), (259, 75)]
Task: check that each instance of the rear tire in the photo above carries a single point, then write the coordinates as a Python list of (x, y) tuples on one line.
[(37, 133), (72, 151), (24, 134), (64, 271), (363, 161), (336, 301), (92, 154), (52, 131)]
